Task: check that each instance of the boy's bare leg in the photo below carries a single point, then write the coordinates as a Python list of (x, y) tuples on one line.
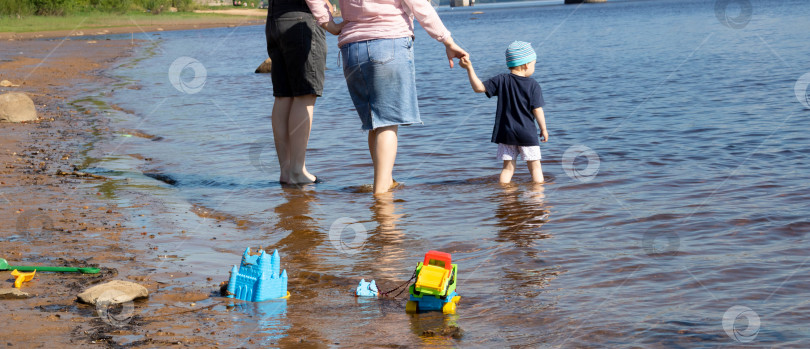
[(299, 126), (536, 170), (385, 153), (507, 171), (281, 112)]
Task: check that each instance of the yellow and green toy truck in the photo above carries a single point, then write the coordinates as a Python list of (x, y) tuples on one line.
[(435, 286)]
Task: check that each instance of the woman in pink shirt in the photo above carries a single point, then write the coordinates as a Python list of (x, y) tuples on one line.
[(376, 43)]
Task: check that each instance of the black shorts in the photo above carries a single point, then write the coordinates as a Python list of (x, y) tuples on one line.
[(297, 47)]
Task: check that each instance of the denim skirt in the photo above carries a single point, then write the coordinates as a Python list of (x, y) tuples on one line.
[(381, 79)]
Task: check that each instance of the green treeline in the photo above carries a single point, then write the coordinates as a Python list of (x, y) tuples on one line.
[(19, 8)]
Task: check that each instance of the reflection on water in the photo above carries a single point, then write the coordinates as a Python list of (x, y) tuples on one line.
[(264, 322), (385, 245), (295, 219), (435, 329), (520, 214)]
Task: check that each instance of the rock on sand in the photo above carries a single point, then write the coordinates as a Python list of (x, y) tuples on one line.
[(17, 107), (113, 292), (13, 293), (264, 68)]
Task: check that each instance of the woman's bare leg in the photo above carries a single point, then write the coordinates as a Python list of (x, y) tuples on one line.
[(281, 112), (384, 155), (372, 139), (507, 171), (299, 126), (536, 170)]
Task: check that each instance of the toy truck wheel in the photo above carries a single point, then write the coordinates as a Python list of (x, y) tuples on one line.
[(449, 308), (411, 307)]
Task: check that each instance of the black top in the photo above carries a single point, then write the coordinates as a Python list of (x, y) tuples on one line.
[(276, 8), (518, 96)]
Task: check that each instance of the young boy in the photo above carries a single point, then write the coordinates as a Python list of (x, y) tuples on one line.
[(520, 103)]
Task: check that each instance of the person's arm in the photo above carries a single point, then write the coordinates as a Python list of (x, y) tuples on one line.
[(454, 51), (541, 120), (424, 12), (475, 82), (332, 27), (321, 10)]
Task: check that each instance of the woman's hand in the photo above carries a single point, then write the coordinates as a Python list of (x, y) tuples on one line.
[(454, 51), (333, 28)]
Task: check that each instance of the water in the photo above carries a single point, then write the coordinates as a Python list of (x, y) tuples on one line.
[(688, 196)]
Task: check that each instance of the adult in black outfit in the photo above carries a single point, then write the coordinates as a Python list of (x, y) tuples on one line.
[(297, 47)]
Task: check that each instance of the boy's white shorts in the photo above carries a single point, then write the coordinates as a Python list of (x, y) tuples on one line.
[(510, 152)]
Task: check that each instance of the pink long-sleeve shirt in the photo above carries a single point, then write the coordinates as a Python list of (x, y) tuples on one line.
[(381, 19)]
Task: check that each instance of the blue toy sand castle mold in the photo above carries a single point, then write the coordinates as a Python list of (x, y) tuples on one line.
[(257, 278)]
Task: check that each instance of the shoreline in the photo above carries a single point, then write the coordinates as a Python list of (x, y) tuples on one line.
[(49, 218), (125, 27)]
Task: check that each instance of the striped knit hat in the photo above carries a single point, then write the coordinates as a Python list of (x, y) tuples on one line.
[(519, 53)]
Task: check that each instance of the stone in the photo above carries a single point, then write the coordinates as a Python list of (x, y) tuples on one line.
[(113, 292), (265, 67), (6, 83), (17, 107), (13, 293)]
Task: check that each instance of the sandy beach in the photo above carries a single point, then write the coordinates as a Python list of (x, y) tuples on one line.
[(52, 214)]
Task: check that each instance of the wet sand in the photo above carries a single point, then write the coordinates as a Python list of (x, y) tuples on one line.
[(50, 214)]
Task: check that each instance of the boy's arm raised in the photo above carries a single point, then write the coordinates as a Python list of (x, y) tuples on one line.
[(475, 82), (541, 120)]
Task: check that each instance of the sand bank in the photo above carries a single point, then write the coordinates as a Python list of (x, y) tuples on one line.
[(126, 25), (48, 218), (238, 12)]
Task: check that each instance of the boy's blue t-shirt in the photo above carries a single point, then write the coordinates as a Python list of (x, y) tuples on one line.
[(518, 96)]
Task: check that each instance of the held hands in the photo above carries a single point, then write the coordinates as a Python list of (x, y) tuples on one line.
[(454, 51), (332, 27), (465, 63)]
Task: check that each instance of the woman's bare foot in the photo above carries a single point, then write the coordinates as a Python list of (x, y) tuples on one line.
[(394, 184), (302, 178)]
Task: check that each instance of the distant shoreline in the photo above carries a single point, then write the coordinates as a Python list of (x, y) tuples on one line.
[(123, 24)]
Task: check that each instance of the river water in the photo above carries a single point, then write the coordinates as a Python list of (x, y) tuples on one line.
[(676, 180)]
